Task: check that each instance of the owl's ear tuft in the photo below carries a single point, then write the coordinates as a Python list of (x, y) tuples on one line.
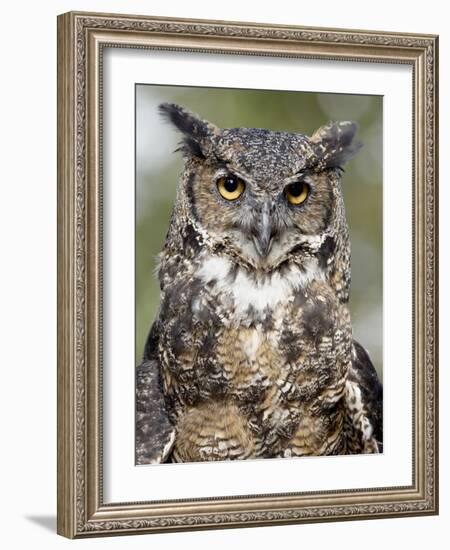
[(335, 143), (197, 133)]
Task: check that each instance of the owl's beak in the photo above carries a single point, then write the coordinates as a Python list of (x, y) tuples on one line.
[(263, 231)]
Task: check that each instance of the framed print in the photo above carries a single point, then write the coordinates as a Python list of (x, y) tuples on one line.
[(247, 288)]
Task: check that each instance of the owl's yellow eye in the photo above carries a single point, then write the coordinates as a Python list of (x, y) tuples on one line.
[(297, 192), (230, 187)]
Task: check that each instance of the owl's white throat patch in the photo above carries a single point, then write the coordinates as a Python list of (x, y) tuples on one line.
[(256, 292)]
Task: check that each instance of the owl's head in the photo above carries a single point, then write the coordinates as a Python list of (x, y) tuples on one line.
[(270, 197)]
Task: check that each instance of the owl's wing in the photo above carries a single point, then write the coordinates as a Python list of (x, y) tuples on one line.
[(365, 397), (155, 433)]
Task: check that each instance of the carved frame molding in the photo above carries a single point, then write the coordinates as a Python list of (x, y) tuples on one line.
[(81, 39)]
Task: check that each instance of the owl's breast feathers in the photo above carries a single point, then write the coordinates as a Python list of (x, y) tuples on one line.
[(259, 365)]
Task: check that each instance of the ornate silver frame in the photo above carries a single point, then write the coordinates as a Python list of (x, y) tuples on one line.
[(81, 39)]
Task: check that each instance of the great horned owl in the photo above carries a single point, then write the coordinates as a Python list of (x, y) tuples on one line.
[(251, 354)]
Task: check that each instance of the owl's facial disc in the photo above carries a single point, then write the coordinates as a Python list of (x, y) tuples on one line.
[(262, 221), (273, 224)]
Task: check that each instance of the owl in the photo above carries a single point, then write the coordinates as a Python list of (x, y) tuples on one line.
[(251, 354)]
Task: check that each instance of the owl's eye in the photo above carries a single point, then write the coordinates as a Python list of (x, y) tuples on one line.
[(297, 192), (230, 187)]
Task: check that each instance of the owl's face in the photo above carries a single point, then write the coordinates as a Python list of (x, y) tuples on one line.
[(264, 195)]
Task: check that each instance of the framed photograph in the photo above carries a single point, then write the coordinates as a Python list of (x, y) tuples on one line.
[(247, 274)]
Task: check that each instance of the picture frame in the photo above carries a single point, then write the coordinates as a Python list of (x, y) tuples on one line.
[(83, 39)]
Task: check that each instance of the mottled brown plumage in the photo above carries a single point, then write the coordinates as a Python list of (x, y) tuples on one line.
[(252, 353)]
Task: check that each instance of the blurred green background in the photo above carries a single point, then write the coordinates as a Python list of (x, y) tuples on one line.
[(158, 169)]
